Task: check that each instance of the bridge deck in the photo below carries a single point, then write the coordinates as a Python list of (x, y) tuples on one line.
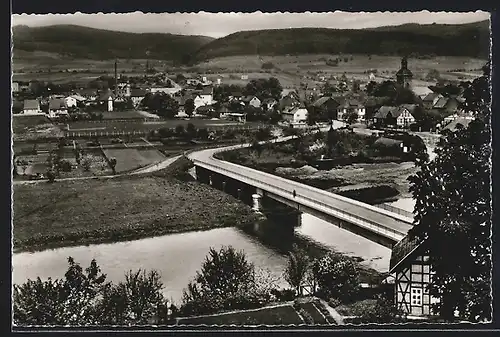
[(305, 194)]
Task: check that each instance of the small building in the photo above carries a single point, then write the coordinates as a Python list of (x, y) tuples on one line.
[(252, 101), (327, 107), (446, 105), (79, 99), (412, 272), (57, 108), (457, 122), (31, 107), (70, 101), (269, 103), (236, 117), (15, 87), (431, 99), (205, 97), (204, 110), (295, 115), (347, 106), (401, 116), (235, 96), (89, 94), (137, 95)]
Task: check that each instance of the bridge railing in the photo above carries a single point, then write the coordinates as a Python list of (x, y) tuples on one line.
[(363, 222), (394, 215), (395, 210)]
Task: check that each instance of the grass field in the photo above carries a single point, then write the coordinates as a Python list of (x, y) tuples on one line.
[(130, 159), (130, 114), (92, 211), (283, 315)]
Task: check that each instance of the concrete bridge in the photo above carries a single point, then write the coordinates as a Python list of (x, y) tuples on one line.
[(255, 187)]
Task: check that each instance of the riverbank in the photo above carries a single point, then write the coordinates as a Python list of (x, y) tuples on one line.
[(70, 213)]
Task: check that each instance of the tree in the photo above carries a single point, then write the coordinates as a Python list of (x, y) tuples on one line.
[(264, 88), (226, 280), (351, 117), (189, 106), (296, 269), (336, 276), (191, 130), (86, 163), (453, 212), (112, 164)]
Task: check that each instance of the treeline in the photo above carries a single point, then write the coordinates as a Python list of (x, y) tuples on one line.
[(89, 43), (418, 40)]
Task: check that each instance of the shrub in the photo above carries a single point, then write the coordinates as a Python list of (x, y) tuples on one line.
[(65, 166), (336, 276)]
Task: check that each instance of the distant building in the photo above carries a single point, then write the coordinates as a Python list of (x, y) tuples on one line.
[(244, 77), (205, 97), (401, 116), (348, 106), (70, 101), (252, 101), (31, 107), (404, 75), (89, 94), (137, 95), (296, 115), (269, 103), (57, 108)]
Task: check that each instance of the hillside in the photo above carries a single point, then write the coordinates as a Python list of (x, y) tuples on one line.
[(470, 40), (89, 43)]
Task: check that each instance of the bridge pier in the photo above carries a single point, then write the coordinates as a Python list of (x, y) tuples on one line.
[(257, 202)]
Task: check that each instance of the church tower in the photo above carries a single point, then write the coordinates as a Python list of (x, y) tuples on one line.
[(404, 75)]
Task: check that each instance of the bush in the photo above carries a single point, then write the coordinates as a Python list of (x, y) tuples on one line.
[(336, 276), (226, 281), (84, 297), (65, 166), (267, 65)]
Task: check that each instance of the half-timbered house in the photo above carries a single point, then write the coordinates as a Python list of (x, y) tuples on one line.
[(412, 275)]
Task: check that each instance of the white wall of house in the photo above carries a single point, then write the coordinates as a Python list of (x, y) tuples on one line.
[(57, 112), (300, 115), (360, 111), (70, 101), (32, 111), (137, 99), (255, 102), (405, 119), (110, 103), (202, 100)]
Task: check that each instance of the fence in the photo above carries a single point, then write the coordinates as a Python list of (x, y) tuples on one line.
[(313, 203), (86, 134), (395, 210)]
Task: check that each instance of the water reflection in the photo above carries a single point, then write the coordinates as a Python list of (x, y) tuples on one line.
[(178, 256)]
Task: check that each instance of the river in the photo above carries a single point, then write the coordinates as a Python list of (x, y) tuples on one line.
[(178, 256)]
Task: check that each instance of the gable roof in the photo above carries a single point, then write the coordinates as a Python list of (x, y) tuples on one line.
[(56, 104), (31, 104), (137, 92), (249, 98), (384, 110), (400, 109), (207, 91), (441, 103), (349, 102), (430, 97), (452, 126), (403, 250), (270, 101), (87, 92), (319, 102), (78, 97)]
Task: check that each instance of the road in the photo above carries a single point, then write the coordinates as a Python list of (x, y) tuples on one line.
[(304, 193)]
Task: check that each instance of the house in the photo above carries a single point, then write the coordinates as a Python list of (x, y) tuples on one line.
[(57, 108), (252, 101), (455, 116), (170, 91), (205, 97), (401, 116), (235, 96), (70, 101), (347, 106), (137, 95), (295, 115), (327, 107), (288, 102), (79, 99), (291, 93), (15, 87), (89, 94), (204, 110), (431, 99), (31, 107), (269, 103), (412, 272), (447, 105)]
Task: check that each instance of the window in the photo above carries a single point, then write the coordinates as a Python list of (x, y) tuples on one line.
[(416, 296), (427, 269), (416, 268), (416, 277)]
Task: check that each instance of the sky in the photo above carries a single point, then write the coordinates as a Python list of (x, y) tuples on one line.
[(221, 24)]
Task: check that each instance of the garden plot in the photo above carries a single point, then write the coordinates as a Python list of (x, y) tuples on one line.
[(129, 159)]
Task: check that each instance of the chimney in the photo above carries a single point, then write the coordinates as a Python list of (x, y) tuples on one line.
[(116, 78)]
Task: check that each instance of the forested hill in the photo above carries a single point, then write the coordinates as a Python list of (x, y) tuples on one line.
[(89, 43), (436, 39)]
